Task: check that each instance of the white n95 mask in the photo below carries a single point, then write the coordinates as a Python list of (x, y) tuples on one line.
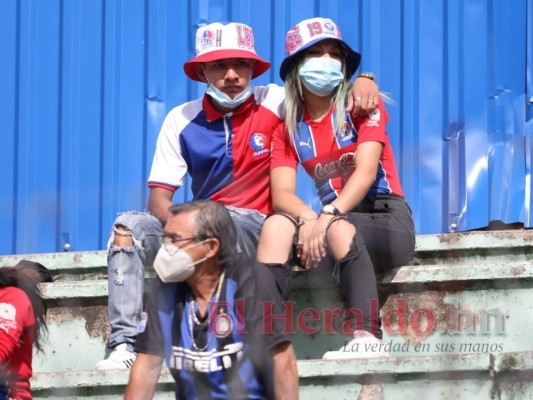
[(173, 264)]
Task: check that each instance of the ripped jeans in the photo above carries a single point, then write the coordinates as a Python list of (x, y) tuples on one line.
[(125, 268), (125, 265)]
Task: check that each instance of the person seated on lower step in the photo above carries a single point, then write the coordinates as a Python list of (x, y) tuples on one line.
[(205, 316), (22, 325)]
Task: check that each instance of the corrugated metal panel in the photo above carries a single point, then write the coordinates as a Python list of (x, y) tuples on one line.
[(85, 86), (526, 215)]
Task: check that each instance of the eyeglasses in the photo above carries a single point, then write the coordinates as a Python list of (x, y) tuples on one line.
[(171, 242)]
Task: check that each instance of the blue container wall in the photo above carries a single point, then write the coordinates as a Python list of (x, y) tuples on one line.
[(85, 85)]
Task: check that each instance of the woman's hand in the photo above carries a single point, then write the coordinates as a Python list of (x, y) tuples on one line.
[(304, 238), (317, 243)]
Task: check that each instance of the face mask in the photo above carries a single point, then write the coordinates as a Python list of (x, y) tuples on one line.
[(224, 100), (321, 75), (175, 265)]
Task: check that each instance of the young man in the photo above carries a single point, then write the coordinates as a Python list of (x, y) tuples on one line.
[(223, 142), (205, 316)]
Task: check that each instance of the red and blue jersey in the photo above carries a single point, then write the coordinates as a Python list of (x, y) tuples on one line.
[(226, 155), (329, 158)]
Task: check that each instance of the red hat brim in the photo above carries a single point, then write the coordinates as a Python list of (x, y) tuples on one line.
[(261, 66)]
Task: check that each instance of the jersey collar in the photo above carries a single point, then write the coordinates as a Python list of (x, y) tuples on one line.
[(212, 114), (310, 122)]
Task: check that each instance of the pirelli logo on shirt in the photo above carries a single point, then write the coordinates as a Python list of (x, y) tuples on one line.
[(206, 361)]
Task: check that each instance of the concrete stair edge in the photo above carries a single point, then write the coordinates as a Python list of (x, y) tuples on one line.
[(446, 242), (407, 275), (456, 365)]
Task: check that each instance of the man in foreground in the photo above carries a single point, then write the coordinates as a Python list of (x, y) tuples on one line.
[(206, 316)]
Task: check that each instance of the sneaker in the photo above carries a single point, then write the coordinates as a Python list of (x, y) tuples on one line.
[(120, 358), (363, 345)]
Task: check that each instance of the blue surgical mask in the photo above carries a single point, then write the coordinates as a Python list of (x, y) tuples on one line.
[(321, 75), (224, 100)]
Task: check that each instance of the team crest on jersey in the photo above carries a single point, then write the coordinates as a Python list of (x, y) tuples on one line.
[(8, 317), (375, 117), (257, 143), (222, 325), (346, 132)]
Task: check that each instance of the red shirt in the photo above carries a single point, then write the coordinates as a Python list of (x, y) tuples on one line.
[(17, 332), (329, 157)]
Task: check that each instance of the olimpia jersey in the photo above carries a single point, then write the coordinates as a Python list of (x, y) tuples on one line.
[(226, 155), (17, 333), (330, 158), (225, 355)]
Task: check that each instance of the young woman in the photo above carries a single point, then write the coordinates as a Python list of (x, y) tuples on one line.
[(22, 323), (365, 224)]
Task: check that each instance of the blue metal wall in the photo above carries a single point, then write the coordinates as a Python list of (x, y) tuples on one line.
[(85, 85)]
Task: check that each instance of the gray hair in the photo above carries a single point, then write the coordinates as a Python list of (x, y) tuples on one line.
[(213, 221)]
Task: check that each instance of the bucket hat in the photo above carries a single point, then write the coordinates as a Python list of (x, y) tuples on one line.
[(309, 32), (219, 40)]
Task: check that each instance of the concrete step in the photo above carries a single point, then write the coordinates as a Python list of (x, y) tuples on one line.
[(472, 248), (464, 297), (66, 266), (467, 376), (411, 275), (453, 309)]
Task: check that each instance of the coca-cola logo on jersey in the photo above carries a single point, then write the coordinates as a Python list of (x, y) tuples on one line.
[(335, 167)]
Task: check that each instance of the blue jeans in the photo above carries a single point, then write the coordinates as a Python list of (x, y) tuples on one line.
[(125, 268), (125, 265), (248, 224)]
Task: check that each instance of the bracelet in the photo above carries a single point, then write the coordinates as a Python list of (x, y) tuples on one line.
[(302, 221), (367, 75)]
